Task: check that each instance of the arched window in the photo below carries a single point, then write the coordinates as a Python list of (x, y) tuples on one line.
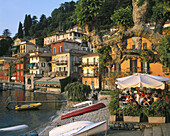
[(29, 81)]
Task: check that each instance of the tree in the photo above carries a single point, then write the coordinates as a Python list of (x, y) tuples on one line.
[(26, 26), (139, 14), (77, 91), (20, 31), (7, 32), (5, 45), (34, 20)]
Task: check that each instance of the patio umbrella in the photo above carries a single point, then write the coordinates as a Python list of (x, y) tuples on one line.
[(142, 80)]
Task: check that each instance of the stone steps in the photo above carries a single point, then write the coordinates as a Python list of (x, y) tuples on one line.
[(158, 130)]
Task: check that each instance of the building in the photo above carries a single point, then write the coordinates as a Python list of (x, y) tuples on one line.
[(73, 34), (7, 70), (21, 68), (3, 37), (39, 65), (90, 70)]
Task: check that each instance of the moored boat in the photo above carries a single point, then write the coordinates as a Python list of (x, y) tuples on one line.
[(88, 129), (83, 103), (28, 106), (83, 110), (14, 128)]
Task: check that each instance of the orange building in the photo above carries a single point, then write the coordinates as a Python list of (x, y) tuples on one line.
[(136, 64)]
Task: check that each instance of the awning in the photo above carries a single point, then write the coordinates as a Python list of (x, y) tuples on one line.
[(13, 78), (31, 64)]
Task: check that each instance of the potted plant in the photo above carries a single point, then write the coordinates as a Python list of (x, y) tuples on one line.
[(131, 113), (156, 112), (114, 105)]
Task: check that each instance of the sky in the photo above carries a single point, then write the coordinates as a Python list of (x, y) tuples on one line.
[(13, 11)]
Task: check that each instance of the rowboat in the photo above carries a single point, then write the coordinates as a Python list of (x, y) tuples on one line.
[(83, 103), (28, 106), (14, 128), (68, 127), (81, 129), (82, 110)]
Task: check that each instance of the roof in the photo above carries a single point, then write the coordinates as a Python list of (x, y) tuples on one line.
[(90, 55), (41, 55), (3, 36), (65, 40)]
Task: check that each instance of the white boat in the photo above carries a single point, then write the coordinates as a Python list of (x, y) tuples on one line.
[(88, 103), (14, 128), (88, 129)]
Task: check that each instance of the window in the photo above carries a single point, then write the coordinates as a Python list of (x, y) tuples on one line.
[(42, 64), (22, 73), (29, 81), (60, 49), (59, 68), (86, 82), (144, 46), (22, 66), (54, 50), (87, 61), (92, 83), (94, 60), (117, 68), (133, 46), (133, 66)]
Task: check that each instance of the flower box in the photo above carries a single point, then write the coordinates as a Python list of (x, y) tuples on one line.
[(156, 119), (131, 118), (112, 118)]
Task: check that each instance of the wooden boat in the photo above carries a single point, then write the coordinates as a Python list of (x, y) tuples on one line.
[(14, 128), (83, 104), (68, 127), (28, 106), (82, 130), (82, 110)]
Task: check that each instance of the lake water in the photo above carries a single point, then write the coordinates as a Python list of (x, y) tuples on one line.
[(32, 118)]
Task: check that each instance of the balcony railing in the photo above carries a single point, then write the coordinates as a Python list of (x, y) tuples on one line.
[(61, 73), (19, 61), (76, 63), (90, 64), (89, 74), (62, 62)]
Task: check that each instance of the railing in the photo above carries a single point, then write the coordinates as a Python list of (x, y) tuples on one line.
[(76, 62), (61, 73), (90, 64), (89, 74), (62, 62)]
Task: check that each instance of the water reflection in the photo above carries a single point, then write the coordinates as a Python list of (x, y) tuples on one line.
[(32, 118)]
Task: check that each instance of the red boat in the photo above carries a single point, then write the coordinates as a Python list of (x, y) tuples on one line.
[(83, 110)]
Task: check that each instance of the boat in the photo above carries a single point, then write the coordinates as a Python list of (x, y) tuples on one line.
[(83, 104), (68, 127), (28, 106), (83, 110), (82, 129), (14, 128)]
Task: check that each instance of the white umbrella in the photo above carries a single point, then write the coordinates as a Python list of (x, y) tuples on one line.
[(142, 80)]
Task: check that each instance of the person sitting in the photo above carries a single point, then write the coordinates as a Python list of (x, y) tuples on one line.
[(123, 97)]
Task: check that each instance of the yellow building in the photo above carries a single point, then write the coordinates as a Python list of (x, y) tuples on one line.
[(25, 47), (90, 70)]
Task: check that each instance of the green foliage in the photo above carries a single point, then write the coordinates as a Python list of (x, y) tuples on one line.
[(131, 110), (86, 11), (157, 109), (123, 17), (164, 48), (7, 32), (104, 57), (77, 91), (20, 31), (114, 102), (5, 45), (64, 82)]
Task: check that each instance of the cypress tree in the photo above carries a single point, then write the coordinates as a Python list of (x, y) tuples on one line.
[(29, 22), (26, 26), (20, 31)]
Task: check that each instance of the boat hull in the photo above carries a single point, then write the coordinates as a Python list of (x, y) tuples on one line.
[(28, 106), (83, 110), (14, 128)]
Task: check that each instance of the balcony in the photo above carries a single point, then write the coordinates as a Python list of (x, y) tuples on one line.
[(61, 73), (62, 62), (90, 64), (75, 63), (19, 61), (90, 75)]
